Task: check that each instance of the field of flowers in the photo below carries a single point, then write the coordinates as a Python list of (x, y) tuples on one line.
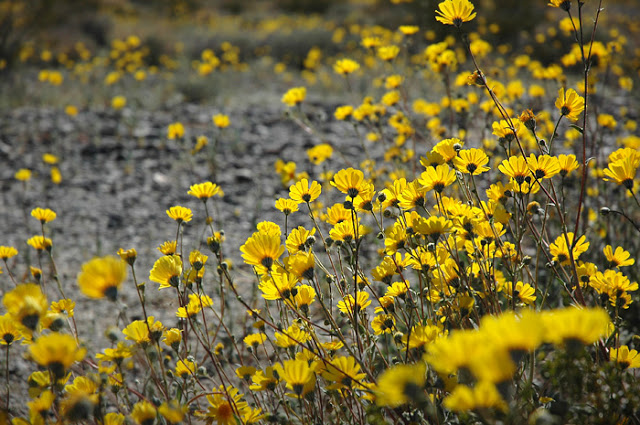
[(366, 211)]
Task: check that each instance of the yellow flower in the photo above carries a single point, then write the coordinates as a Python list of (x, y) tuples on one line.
[(471, 161), (263, 381), (254, 340), (568, 164), (49, 158), (195, 305), (623, 172), (388, 53), (118, 102), (570, 104), (221, 121), (262, 250), (294, 96), (7, 252), (408, 29), (299, 376), (560, 251), (144, 413), (180, 214), (303, 192), (346, 66), (291, 337), (9, 330), (618, 258), (349, 181), (287, 206), (175, 131), (23, 174), (56, 176), (343, 372), (224, 404), (71, 110), (204, 190), (172, 337), (166, 271), (362, 301), (128, 256), (401, 384), (570, 325), (117, 354), (276, 286), (318, 154), (57, 352), (168, 247), (26, 304), (483, 395), (114, 419), (343, 112), (138, 331), (562, 4), (437, 178), (102, 277), (172, 411), (40, 243), (185, 367), (628, 359), (524, 291), (455, 12)]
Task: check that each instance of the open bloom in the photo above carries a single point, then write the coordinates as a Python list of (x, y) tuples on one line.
[(57, 352), (26, 303), (570, 104), (622, 172), (102, 277), (346, 66), (302, 191), (166, 271), (471, 161), (262, 250), (204, 190), (294, 96), (43, 215), (349, 181), (455, 12), (180, 214)]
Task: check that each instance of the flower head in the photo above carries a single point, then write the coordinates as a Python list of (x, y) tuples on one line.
[(349, 181), (287, 206), (204, 190), (346, 66), (455, 12), (166, 271), (57, 352), (221, 121), (302, 191), (180, 214), (26, 303), (40, 243), (262, 250), (294, 96), (175, 131), (471, 161), (102, 277), (7, 252), (43, 215), (299, 376), (118, 102), (570, 104)]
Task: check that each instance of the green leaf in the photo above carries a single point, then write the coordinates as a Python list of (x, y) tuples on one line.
[(580, 129)]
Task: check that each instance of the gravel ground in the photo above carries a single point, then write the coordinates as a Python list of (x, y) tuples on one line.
[(120, 174)]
